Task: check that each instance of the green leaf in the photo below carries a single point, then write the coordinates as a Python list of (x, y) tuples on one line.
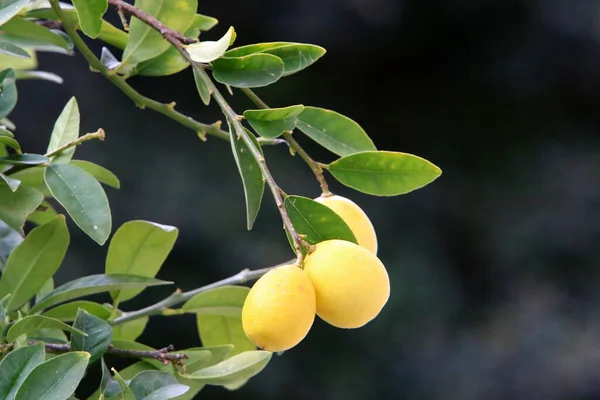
[(8, 92), (32, 177), (384, 173), (113, 389), (15, 206), (204, 22), (5, 132), (252, 180), (41, 217), (15, 367), (202, 357), (272, 122), (19, 64), (9, 240), (23, 159), (254, 48), (126, 393), (99, 335), (10, 142), (317, 221), (13, 184), (33, 262), (101, 174), (13, 50), (41, 75), (83, 198), (49, 335), (28, 34), (90, 14), (205, 52), (239, 367), (144, 42), (55, 379), (130, 330), (336, 132), (156, 385), (93, 284), (34, 323), (297, 56), (255, 70), (139, 248), (219, 317), (202, 88), (67, 312), (10, 8), (46, 288), (66, 129)]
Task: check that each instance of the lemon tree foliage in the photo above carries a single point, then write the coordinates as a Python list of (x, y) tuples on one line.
[(52, 332)]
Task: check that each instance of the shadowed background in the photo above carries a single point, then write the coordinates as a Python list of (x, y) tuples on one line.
[(493, 267)]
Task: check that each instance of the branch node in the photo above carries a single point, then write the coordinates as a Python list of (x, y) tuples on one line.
[(202, 136), (171, 106)]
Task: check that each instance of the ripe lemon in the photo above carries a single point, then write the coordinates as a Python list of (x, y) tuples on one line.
[(280, 309), (356, 219), (352, 285)]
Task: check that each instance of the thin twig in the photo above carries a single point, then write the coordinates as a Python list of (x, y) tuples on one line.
[(163, 355), (140, 100), (163, 307), (99, 134), (294, 145)]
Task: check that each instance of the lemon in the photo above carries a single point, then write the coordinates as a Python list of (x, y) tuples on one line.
[(356, 219), (280, 309), (351, 283)]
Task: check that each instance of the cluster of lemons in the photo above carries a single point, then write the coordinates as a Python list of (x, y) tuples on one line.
[(344, 283)]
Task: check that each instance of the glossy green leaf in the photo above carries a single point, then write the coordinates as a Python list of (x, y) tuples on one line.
[(202, 88), (130, 330), (32, 177), (41, 217), (41, 75), (255, 70), (83, 198), (10, 142), (384, 173), (219, 317), (204, 22), (239, 367), (113, 389), (15, 206), (272, 122), (6, 132), (67, 312), (317, 221), (55, 379), (202, 357), (207, 51), (10, 8), (108, 32), (156, 385), (23, 159), (94, 284), (26, 33), (34, 323), (46, 288), (49, 335), (101, 174), (139, 248), (66, 130), (126, 393), (13, 50), (254, 48), (13, 184), (90, 14), (33, 262), (336, 132), (144, 42), (19, 64), (9, 240), (8, 91), (106, 378), (99, 335), (252, 180), (15, 367), (297, 56)]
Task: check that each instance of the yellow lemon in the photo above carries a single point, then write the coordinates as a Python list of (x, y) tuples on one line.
[(352, 285), (356, 219), (280, 309)]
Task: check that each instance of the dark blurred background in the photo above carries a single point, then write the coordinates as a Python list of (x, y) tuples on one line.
[(494, 267)]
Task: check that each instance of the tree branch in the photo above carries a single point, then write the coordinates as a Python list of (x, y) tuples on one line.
[(139, 99), (163, 307), (294, 145), (99, 134), (163, 355)]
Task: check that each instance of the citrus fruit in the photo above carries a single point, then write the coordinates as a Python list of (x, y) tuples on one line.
[(280, 309), (351, 283)]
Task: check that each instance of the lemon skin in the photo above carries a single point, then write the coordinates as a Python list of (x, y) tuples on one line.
[(279, 309), (351, 283), (356, 219)]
